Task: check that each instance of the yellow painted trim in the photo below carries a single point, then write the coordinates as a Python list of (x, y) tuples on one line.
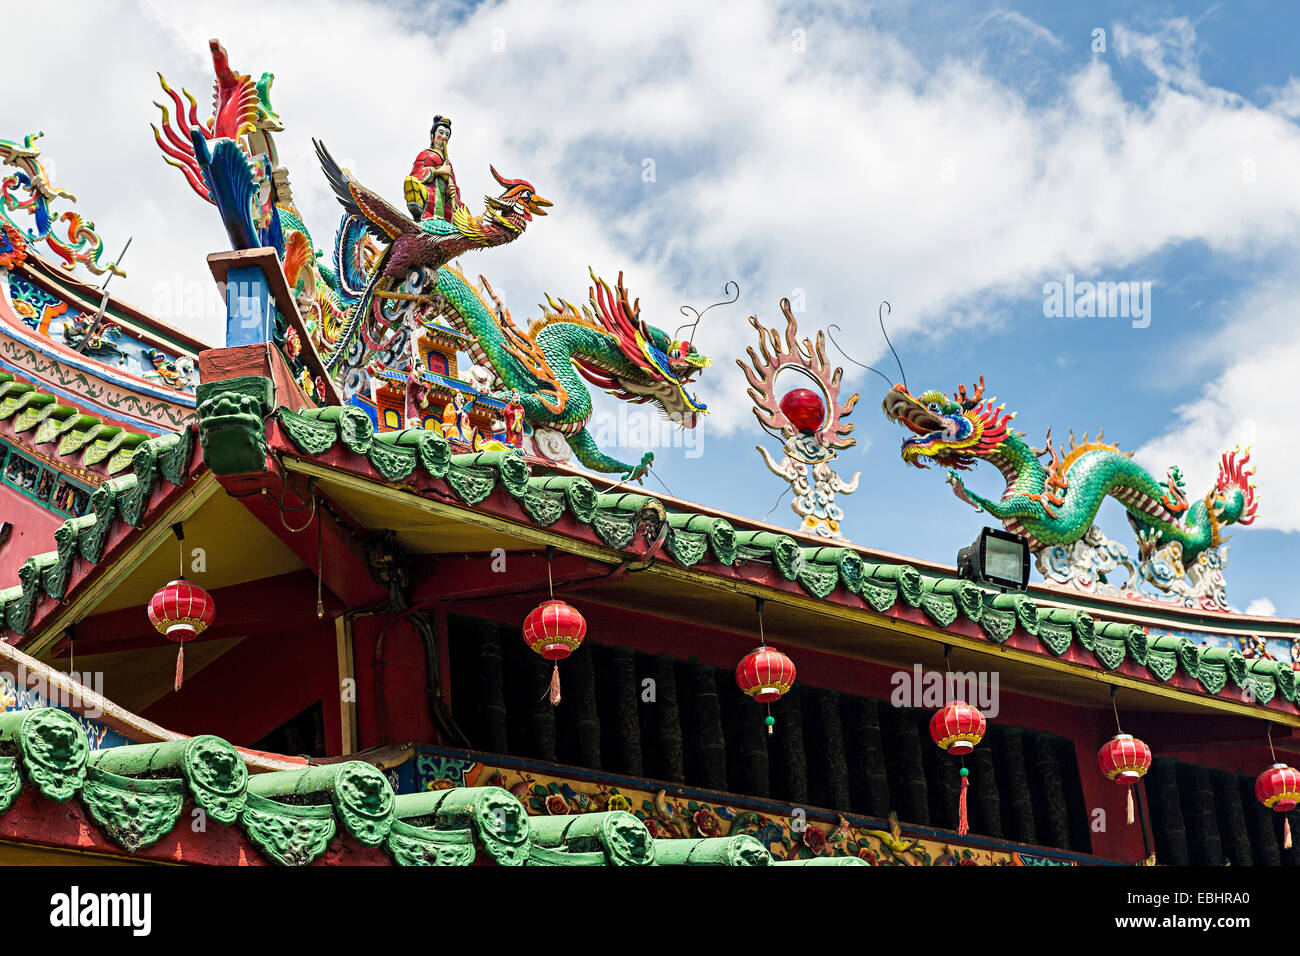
[(858, 616), (103, 584)]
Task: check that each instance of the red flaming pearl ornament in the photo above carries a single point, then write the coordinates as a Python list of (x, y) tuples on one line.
[(554, 630), (765, 674), (957, 728), (804, 408), (1278, 788), (181, 611)]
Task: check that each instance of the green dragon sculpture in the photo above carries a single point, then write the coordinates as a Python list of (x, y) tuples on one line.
[(606, 342), (1055, 503)]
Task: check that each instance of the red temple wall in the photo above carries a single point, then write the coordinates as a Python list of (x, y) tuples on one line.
[(261, 683), (33, 530)]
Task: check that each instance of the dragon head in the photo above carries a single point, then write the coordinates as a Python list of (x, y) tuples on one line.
[(951, 431), (518, 203), (1233, 499), (657, 369)]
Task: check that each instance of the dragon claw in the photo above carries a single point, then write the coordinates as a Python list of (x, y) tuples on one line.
[(959, 489), (638, 473)]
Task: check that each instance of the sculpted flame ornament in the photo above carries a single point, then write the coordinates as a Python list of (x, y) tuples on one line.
[(80, 242), (391, 279), (1053, 503), (808, 451)]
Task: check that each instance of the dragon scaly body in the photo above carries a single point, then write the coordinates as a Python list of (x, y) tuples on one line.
[(1057, 502), (606, 343)]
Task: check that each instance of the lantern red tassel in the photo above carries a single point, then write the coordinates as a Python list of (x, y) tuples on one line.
[(181, 611), (554, 630), (962, 826), (555, 685)]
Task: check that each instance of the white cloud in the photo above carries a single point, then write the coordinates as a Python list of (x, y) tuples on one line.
[(1261, 607), (844, 169), (1021, 22)]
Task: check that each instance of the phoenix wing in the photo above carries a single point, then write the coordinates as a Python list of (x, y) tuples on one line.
[(382, 219)]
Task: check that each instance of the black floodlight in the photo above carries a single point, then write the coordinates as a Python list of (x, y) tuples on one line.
[(997, 558)]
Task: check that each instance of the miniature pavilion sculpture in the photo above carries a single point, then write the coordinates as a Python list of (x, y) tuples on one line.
[(809, 423), (1181, 549)]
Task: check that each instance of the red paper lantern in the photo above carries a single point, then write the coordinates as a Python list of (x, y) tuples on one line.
[(181, 611), (958, 728), (804, 408), (555, 630), (1278, 788), (1124, 759), (765, 674)]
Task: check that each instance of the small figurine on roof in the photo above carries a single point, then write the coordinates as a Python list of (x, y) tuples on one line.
[(430, 190), (455, 420), (515, 420)]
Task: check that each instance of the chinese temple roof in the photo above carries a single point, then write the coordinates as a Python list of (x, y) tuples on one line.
[(1051, 634), (132, 796), (260, 807)]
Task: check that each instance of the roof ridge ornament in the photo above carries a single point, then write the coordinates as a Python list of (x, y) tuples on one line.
[(80, 243), (810, 423)]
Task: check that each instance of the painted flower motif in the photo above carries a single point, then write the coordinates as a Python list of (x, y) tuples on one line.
[(815, 840), (866, 853), (652, 827), (443, 784), (617, 801), (968, 861), (24, 309), (706, 823), (556, 805), (771, 834)]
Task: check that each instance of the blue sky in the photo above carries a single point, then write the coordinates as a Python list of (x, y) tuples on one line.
[(949, 157)]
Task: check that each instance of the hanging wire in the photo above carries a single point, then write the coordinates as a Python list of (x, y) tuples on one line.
[(762, 644), (1114, 692), (178, 529), (320, 603)]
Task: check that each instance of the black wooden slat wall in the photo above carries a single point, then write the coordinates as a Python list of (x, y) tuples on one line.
[(1204, 817), (682, 721)]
